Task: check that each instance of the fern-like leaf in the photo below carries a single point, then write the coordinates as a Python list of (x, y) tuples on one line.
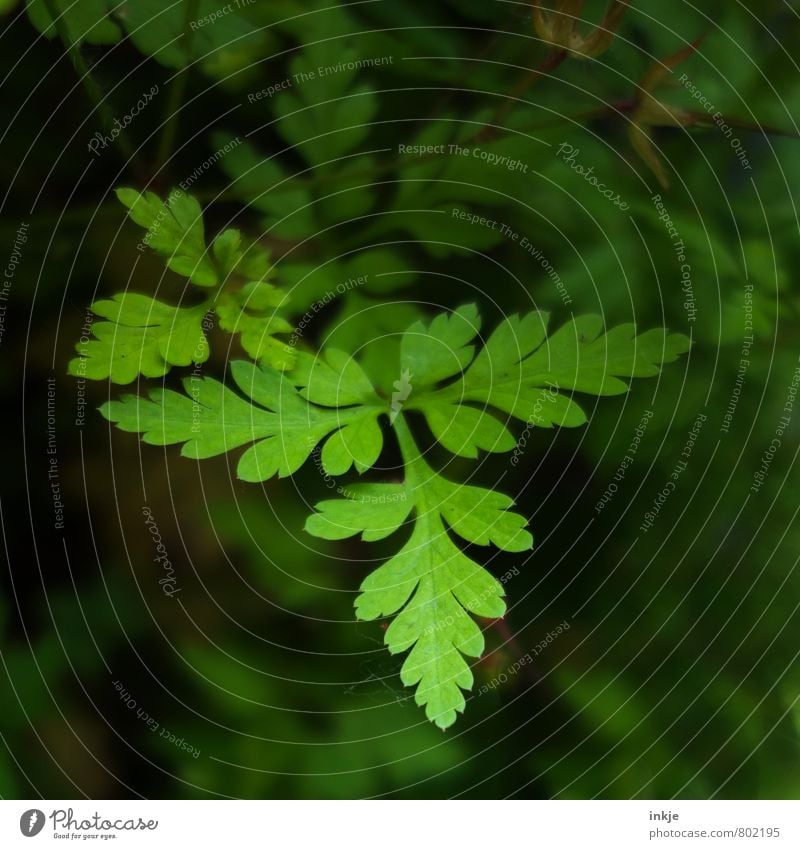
[(430, 583), (431, 587)]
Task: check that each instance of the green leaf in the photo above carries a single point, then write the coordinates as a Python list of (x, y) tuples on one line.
[(373, 328), (227, 249), (218, 31), (461, 193), (211, 419), (524, 373), (264, 184), (373, 510), (333, 379), (463, 430), (174, 230), (298, 204), (85, 20), (431, 586), (578, 356), (438, 231), (433, 352), (252, 312), (326, 113), (142, 336), (336, 380), (358, 443), (430, 583)]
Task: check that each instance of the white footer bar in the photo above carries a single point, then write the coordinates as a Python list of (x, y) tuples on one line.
[(400, 824)]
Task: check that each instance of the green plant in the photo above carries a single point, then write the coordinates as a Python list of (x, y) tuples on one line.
[(287, 401), (144, 336)]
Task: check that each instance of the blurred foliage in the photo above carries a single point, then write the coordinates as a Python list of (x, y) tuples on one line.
[(678, 675)]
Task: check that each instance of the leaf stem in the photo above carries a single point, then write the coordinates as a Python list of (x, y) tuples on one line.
[(178, 88), (413, 460), (408, 448), (548, 65), (86, 80)]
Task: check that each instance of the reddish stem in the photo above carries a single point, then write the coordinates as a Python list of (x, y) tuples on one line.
[(548, 64)]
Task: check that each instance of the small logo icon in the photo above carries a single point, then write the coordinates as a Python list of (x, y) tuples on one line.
[(31, 822), (403, 387)]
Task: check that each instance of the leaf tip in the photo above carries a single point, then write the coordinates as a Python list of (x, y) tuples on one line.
[(127, 196)]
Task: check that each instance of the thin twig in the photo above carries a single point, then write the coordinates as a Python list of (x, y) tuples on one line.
[(177, 89), (548, 65), (87, 81)]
